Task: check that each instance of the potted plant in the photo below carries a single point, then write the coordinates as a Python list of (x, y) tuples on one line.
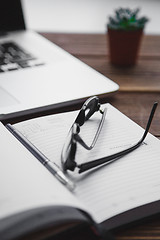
[(125, 31)]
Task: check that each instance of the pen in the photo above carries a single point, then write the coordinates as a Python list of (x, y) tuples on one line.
[(51, 166)]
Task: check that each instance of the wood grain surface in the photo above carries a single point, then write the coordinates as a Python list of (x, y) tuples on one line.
[(93, 50)]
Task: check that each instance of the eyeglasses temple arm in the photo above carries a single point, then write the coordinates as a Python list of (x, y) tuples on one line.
[(149, 121), (86, 166)]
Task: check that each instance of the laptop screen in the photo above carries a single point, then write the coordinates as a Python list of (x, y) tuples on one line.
[(11, 16)]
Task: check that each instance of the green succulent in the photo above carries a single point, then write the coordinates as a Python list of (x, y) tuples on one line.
[(127, 19)]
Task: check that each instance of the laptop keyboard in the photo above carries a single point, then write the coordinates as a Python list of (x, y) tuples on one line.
[(13, 57)]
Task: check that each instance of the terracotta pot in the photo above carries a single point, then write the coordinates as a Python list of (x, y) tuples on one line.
[(124, 46)]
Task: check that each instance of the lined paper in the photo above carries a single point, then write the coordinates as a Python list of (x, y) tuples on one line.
[(25, 184), (113, 188)]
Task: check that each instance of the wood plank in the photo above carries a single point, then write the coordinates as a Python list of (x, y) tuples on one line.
[(80, 44), (145, 231), (144, 76), (93, 50), (96, 44)]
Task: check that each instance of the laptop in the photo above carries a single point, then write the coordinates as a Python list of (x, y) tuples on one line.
[(36, 73)]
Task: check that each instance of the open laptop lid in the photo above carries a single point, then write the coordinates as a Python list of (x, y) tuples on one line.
[(11, 17)]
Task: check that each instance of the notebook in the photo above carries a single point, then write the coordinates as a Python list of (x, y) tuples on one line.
[(113, 195), (35, 72)]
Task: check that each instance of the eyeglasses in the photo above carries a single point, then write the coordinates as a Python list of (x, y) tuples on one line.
[(69, 149), (91, 106)]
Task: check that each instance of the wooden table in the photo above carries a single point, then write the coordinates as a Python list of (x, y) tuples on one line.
[(139, 88)]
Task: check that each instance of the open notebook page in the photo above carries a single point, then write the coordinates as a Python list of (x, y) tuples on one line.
[(129, 182), (25, 183)]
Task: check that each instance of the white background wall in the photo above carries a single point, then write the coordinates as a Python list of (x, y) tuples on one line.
[(85, 16)]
